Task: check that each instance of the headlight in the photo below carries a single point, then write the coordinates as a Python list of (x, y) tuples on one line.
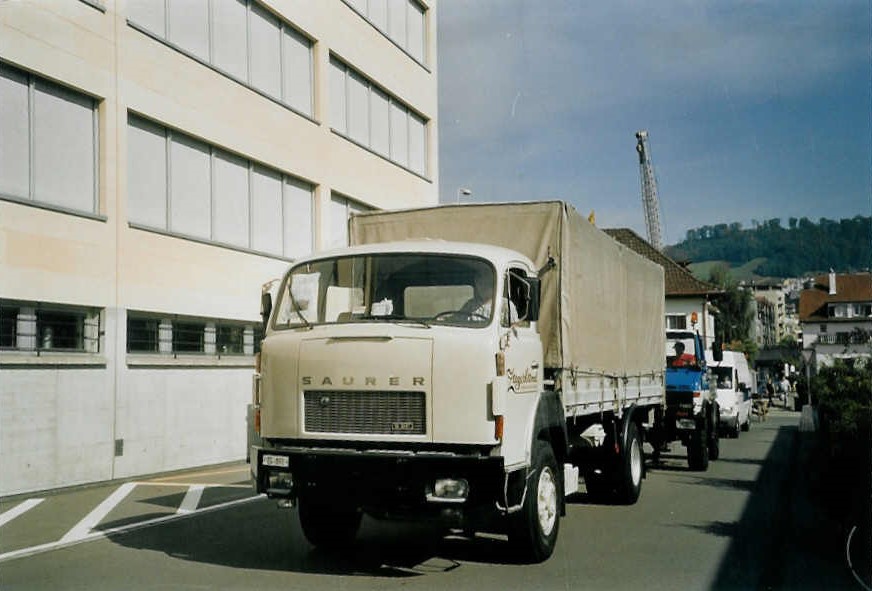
[(448, 490)]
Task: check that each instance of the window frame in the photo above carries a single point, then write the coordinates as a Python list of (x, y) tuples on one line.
[(33, 84)]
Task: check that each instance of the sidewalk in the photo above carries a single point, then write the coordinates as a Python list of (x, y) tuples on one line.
[(813, 551)]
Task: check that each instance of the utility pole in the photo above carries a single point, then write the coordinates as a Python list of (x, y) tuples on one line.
[(650, 203)]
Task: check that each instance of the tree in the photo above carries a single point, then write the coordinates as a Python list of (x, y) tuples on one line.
[(733, 321)]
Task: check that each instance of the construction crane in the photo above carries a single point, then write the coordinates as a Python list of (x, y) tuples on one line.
[(650, 203)]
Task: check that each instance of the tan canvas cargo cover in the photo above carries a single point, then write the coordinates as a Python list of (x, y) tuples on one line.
[(602, 305)]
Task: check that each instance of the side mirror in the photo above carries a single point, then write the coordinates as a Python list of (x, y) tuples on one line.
[(717, 351), (266, 306)]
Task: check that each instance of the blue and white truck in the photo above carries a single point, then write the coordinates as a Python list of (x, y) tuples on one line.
[(692, 413)]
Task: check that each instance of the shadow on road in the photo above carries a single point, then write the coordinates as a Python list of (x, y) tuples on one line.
[(258, 536), (780, 541)]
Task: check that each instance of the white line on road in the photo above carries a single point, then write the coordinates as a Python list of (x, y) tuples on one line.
[(84, 527), (120, 530), (19, 509), (192, 499)]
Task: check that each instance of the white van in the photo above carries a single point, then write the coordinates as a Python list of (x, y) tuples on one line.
[(735, 383)]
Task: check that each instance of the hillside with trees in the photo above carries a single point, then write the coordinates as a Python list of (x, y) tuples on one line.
[(803, 247)]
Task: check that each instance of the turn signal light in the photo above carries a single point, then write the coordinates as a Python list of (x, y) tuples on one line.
[(498, 427)]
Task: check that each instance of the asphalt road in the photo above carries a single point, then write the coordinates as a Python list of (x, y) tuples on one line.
[(735, 526)]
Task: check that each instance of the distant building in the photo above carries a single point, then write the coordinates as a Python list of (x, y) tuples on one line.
[(772, 290), (160, 160), (764, 327), (686, 296), (836, 316)]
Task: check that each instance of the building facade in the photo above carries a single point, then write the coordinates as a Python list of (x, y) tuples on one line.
[(836, 315), (161, 160)]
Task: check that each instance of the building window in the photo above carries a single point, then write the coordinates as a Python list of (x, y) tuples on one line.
[(143, 335), (189, 188), (39, 327), (676, 322), (369, 116), (241, 39), (402, 21), (189, 337), (341, 209), (8, 326), (48, 143), (173, 336)]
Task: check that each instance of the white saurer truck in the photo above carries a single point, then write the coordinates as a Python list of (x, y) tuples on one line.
[(466, 363)]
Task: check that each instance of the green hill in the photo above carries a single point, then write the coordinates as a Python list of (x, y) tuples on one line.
[(770, 250), (746, 272)]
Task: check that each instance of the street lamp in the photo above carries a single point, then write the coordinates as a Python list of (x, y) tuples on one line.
[(463, 191)]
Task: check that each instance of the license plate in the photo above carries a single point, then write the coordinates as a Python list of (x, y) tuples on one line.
[(276, 461)]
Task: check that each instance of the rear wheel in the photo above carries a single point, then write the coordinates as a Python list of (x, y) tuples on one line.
[(326, 524), (632, 467), (714, 443), (533, 530), (697, 451)]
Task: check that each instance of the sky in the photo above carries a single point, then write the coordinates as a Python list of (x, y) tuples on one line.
[(755, 109)]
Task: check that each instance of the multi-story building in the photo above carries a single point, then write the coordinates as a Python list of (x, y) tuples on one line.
[(836, 316), (772, 291), (160, 160), (765, 324)]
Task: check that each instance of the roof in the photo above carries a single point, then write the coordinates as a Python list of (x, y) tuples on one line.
[(679, 281), (853, 288)]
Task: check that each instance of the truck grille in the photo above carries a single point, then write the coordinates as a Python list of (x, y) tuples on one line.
[(370, 413)]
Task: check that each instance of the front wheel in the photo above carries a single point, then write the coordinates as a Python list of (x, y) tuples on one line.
[(533, 530)]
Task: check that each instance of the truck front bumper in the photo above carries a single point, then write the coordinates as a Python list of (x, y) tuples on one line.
[(381, 481)]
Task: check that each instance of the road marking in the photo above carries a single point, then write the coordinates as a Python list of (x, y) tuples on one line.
[(19, 509), (191, 500), (120, 530), (84, 527)]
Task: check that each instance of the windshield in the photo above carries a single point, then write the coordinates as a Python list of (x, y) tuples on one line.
[(724, 376), (419, 288), (681, 351)]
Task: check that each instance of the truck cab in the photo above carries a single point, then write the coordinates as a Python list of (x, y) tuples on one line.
[(691, 403), (399, 379)]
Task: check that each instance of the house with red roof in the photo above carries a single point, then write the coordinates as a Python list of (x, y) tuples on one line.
[(835, 312)]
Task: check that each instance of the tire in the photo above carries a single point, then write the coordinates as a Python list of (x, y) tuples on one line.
[(631, 468), (714, 443), (328, 525), (734, 430), (533, 530), (746, 426), (698, 451)]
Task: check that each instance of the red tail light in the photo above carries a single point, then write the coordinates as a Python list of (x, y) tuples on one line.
[(498, 427), (697, 394)]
